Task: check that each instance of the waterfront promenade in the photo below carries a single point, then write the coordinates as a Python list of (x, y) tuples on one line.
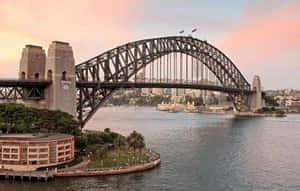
[(81, 170)]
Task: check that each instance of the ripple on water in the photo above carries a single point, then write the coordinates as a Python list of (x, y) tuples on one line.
[(199, 152)]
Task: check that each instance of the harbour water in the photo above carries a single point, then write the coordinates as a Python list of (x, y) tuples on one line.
[(198, 152)]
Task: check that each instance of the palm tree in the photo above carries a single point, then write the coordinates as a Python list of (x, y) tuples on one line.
[(119, 141), (107, 130), (136, 140), (131, 139), (100, 153), (140, 144)]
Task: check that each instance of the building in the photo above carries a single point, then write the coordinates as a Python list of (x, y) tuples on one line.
[(26, 152), (158, 91)]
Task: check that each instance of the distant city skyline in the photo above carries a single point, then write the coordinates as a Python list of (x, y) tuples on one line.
[(261, 37)]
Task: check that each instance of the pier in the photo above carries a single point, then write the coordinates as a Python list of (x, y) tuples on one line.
[(27, 176)]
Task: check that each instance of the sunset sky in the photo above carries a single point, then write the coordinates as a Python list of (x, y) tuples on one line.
[(261, 37)]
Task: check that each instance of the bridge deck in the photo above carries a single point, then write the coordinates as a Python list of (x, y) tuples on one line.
[(24, 83), (160, 85)]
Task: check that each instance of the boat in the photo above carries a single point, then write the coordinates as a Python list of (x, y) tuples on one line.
[(163, 107)]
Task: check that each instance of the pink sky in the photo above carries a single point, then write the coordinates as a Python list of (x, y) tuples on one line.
[(261, 41), (90, 27), (267, 42)]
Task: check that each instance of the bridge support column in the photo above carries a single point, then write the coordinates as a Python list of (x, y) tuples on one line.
[(60, 68), (32, 67), (255, 100)]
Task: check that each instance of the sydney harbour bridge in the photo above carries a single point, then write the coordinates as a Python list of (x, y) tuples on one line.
[(55, 82)]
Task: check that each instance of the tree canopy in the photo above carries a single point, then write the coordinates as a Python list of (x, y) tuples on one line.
[(17, 118)]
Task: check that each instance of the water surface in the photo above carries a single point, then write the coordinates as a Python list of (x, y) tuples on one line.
[(198, 152)]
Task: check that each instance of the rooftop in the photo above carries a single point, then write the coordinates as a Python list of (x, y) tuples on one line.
[(33, 137)]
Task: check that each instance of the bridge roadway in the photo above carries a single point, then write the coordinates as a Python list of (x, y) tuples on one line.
[(24, 83), (116, 85), (11, 89)]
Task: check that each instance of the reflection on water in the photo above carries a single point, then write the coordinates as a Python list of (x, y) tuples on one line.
[(199, 151)]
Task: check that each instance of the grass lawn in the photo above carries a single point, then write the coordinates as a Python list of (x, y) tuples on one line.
[(112, 159)]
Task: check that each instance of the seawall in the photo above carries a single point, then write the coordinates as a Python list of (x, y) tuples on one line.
[(153, 162)]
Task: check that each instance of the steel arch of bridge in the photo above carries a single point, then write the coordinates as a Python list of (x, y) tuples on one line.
[(100, 76)]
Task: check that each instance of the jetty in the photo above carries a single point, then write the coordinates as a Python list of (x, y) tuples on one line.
[(27, 175)]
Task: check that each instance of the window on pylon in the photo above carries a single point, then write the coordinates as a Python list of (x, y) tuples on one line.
[(64, 76)]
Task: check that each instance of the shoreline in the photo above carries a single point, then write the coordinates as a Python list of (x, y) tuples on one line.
[(243, 114), (154, 161)]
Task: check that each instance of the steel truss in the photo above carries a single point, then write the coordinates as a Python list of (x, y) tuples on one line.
[(23, 89), (100, 76)]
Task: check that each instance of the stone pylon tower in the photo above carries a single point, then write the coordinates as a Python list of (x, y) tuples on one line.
[(60, 68), (256, 100), (32, 63), (32, 67)]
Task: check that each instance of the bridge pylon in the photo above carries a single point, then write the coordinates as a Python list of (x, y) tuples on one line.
[(32, 67), (60, 68), (255, 99)]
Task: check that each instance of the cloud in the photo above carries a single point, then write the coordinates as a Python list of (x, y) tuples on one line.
[(89, 25), (265, 43), (12, 44)]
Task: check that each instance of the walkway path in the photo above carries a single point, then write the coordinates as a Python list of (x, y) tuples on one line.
[(84, 162)]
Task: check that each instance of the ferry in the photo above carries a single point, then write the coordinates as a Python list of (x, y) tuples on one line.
[(163, 107)]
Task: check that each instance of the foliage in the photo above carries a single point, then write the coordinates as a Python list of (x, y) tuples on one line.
[(81, 141), (139, 100), (136, 140), (17, 118), (116, 157), (120, 141), (94, 138), (270, 101), (106, 137), (97, 151), (271, 110), (101, 151)]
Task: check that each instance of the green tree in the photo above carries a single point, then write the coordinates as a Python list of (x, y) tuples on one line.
[(20, 119), (119, 141), (95, 138), (270, 101), (140, 144), (97, 152), (131, 140), (81, 141)]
